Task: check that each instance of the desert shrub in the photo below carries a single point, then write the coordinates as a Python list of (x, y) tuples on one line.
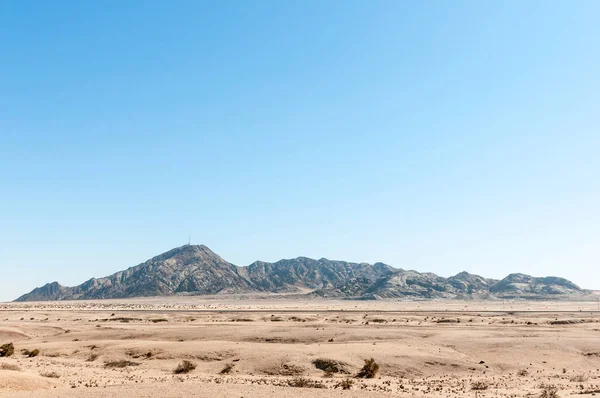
[(227, 369), (303, 382), (8, 366), (479, 385), (284, 368), (51, 375), (369, 369), (33, 353), (124, 319), (6, 350), (330, 365), (579, 378), (184, 367), (345, 384), (522, 372), (52, 354), (123, 363), (549, 392), (93, 356), (379, 320), (445, 320), (159, 320)]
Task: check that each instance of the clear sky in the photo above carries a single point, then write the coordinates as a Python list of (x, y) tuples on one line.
[(432, 135)]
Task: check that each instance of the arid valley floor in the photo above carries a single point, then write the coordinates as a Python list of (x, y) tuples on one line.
[(272, 347)]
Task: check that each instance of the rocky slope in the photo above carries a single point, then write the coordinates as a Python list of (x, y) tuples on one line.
[(197, 270)]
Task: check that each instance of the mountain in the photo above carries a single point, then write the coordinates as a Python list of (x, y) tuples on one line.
[(192, 269), (521, 285), (289, 275)]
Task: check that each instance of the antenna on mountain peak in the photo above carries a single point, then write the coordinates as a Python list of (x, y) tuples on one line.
[(189, 240)]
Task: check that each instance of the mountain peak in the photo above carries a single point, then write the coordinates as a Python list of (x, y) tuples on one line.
[(195, 269)]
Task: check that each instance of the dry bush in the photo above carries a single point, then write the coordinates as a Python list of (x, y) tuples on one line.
[(135, 354), (330, 365), (8, 366), (479, 385), (7, 350), (51, 375), (33, 353), (303, 382), (184, 367), (93, 356), (369, 369), (123, 363), (549, 392), (522, 372), (283, 368), (227, 369), (579, 378), (159, 320), (345, 384), (125, 320)]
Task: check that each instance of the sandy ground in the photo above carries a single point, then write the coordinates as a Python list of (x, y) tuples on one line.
[(432, 348)]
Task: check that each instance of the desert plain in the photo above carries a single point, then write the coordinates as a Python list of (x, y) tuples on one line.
[(284, 346)]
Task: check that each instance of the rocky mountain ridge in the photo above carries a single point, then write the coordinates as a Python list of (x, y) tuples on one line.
[(195, 269)]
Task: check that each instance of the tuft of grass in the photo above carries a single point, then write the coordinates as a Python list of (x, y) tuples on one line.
[(123, 363), (369, 369), (6, 350), (184, 367), (302, 382), (522, 372), (227, 369), (345, 384), (8, 366), (50, 375)]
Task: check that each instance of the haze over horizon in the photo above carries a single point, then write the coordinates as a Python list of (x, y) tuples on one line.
[(460, 137)]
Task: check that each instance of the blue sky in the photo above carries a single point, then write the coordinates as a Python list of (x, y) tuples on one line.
[(437, 136)]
